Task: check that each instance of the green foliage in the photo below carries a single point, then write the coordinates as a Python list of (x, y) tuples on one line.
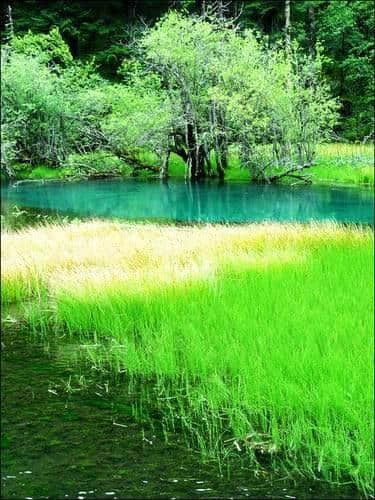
[(34, 109), (194, 87), (42, 172), (49, 48), (346, 31), (94, 164), (345, 28), (47, 110), (140, 117), (26, 171), (229, 88)]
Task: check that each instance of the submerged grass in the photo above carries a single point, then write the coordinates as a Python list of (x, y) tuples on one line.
[(258, 338)]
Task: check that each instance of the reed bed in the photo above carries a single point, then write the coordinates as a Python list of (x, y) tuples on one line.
[(255, 339)]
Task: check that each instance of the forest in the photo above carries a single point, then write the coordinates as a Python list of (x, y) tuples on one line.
[(117, 87)]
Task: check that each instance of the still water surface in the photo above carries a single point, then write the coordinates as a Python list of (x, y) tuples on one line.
[(209, 201)]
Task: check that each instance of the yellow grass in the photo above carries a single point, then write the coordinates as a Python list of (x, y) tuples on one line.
[(97, 254), (340, 149)]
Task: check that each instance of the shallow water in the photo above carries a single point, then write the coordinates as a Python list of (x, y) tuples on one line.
[(209, 201), (80, 440)]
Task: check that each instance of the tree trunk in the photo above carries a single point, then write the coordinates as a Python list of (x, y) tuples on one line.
[(221, 157), (312, 29), (165, 165), (287, 23), (195, 153), (217, 120), (220, 9), (8, 25)]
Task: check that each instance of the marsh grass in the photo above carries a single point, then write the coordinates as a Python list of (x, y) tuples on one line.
[(254, 339), (344, 163)]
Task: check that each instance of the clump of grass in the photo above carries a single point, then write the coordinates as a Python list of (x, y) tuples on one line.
[(352, 155), (344, 163), (255, 337)]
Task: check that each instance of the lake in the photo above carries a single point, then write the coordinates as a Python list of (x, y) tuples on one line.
[(208, 201)]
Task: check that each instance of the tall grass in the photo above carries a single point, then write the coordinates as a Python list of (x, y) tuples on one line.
[(347, 154), (254, 339), (344, 163)]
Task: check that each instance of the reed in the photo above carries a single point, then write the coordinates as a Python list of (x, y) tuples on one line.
[(255, 339)]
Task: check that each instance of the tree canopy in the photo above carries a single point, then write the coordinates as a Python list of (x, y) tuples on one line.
[(343, 28), (196, 86)]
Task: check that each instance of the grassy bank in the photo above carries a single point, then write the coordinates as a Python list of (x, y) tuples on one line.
[(335, 164), (253, 339), (344, 164)]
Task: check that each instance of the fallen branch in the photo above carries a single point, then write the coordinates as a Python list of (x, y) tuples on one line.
[(291, 172)]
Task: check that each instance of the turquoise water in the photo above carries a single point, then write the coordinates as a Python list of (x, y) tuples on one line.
[(209, 201)]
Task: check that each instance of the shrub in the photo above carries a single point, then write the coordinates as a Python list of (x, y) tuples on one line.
[(94, 163)]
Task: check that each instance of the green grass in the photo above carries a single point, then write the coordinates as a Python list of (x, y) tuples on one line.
[(334, 174), (344, 164), (47, 173), (281, 356), (24, 171), (268, 354)]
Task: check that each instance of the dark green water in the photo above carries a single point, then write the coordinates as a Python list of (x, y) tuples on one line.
[(72, 435), (204, 202)]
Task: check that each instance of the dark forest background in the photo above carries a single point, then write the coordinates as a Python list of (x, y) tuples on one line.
[(106, 29)]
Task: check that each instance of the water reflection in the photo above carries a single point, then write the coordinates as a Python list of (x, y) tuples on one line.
[(208, 201)]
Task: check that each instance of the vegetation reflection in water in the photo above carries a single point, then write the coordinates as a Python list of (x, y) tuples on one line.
[(244, 338), (194, 202)]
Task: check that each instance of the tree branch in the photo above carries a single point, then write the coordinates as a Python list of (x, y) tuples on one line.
[(290, 172)]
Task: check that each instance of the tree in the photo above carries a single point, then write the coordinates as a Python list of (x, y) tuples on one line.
[(141, 119), (183, 52), (50, 105), (345, 30), (232, 90), (107, 30), (287, 23)]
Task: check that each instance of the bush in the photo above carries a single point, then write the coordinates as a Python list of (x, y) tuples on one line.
[(94, 163), (49, 48), (51, 106), (35, 109)]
